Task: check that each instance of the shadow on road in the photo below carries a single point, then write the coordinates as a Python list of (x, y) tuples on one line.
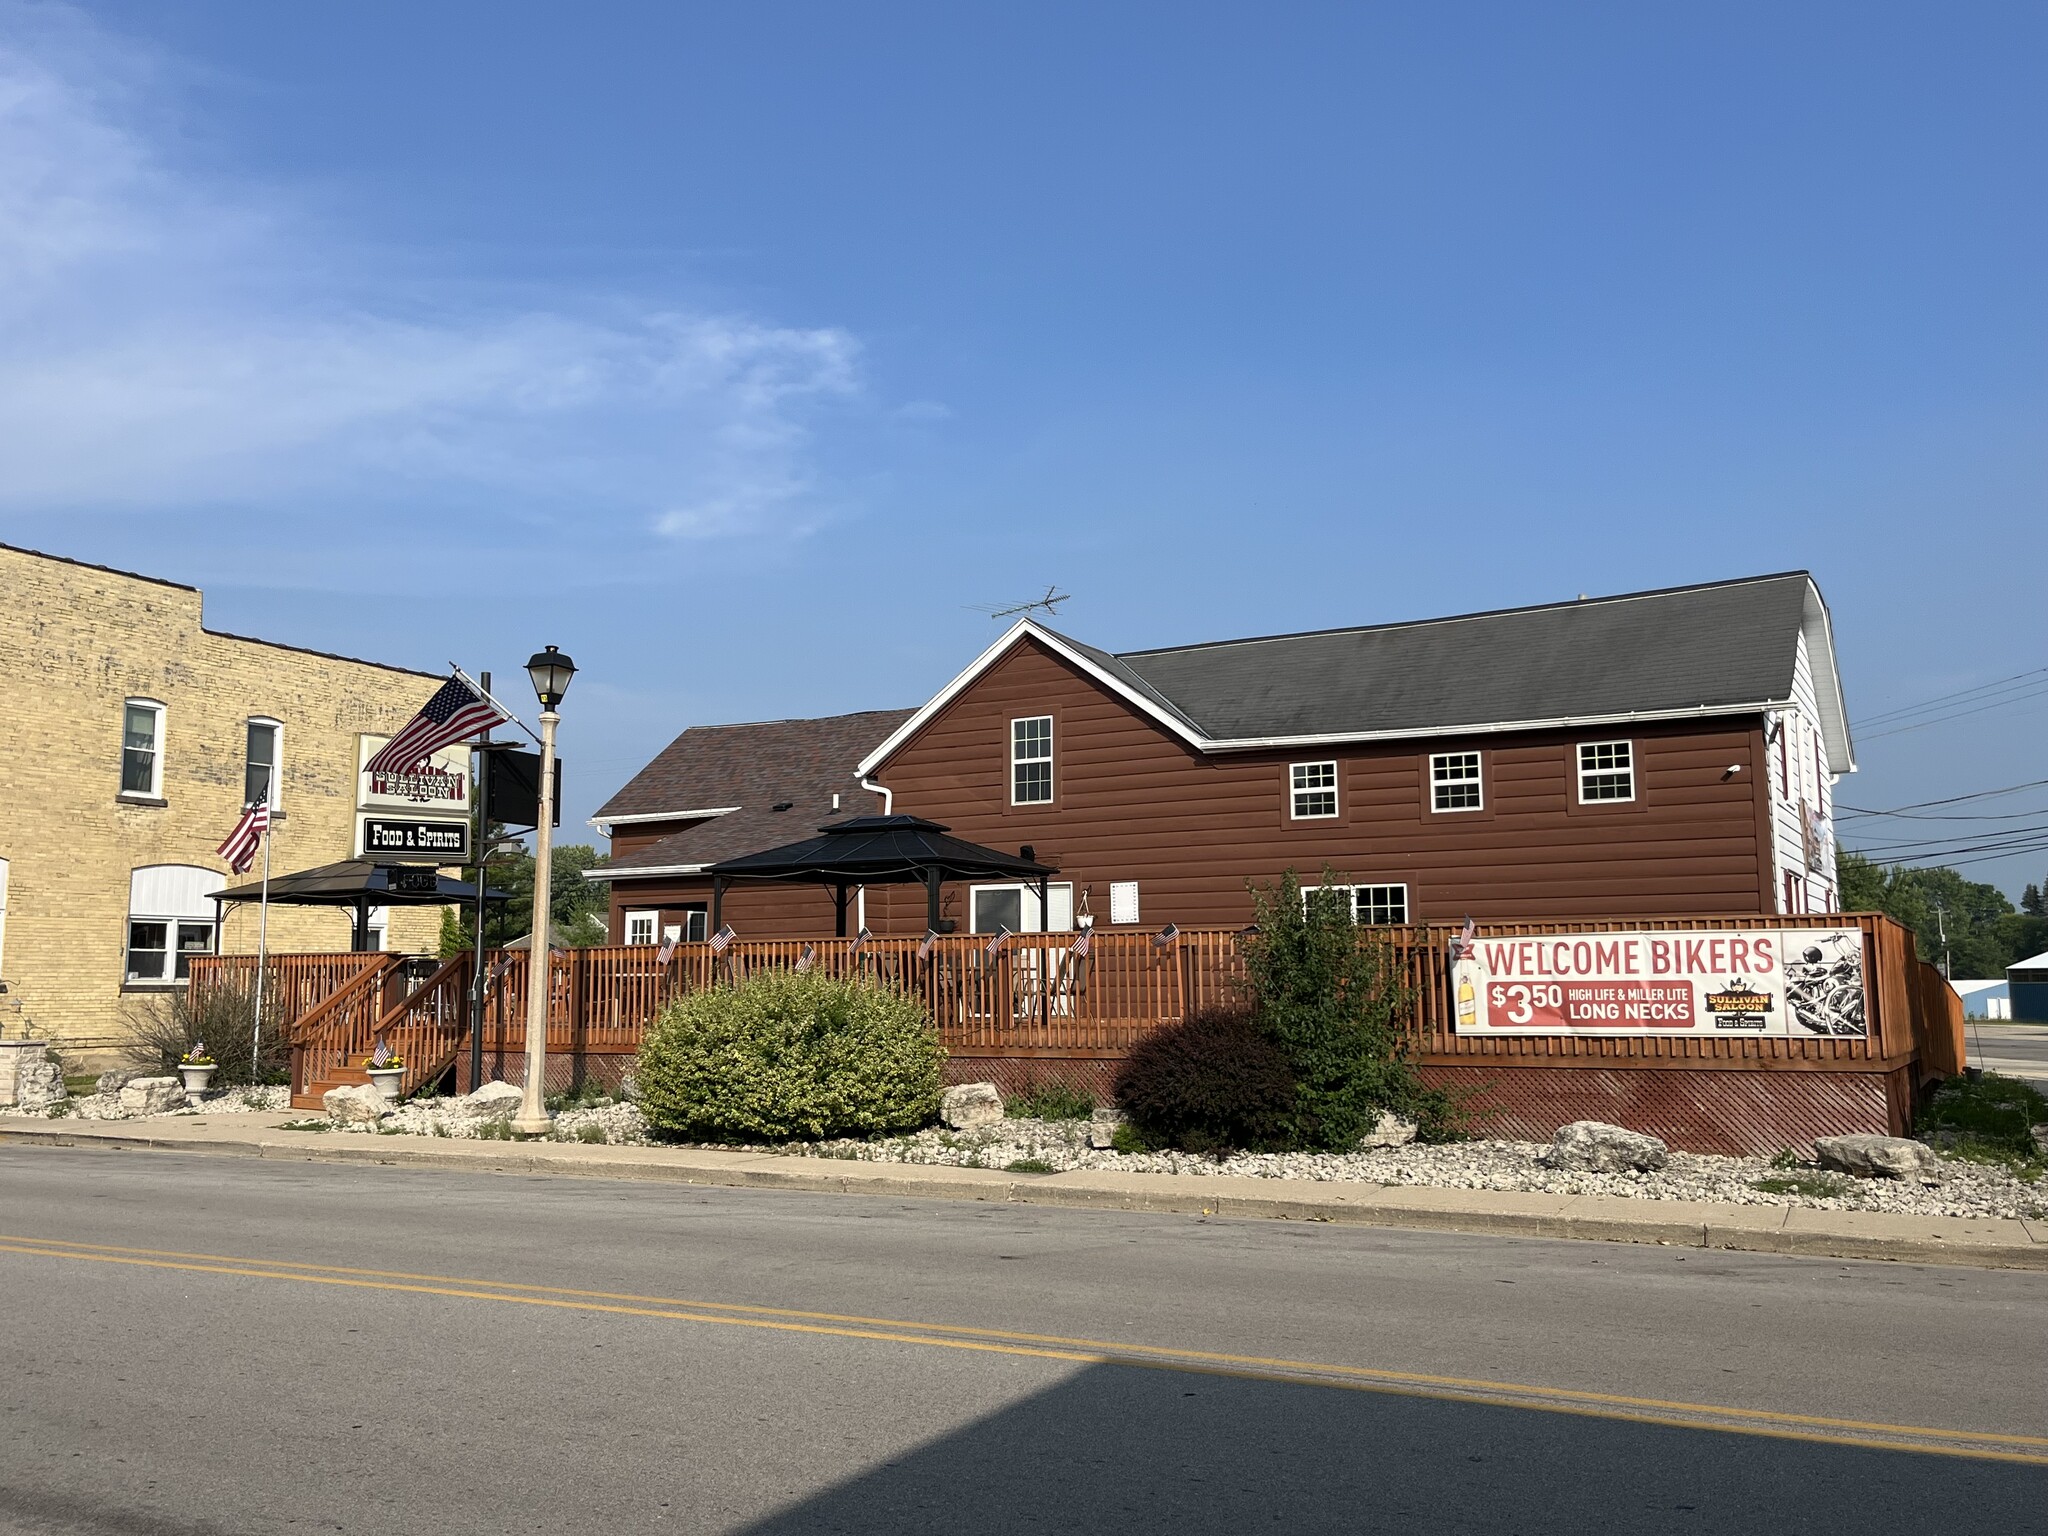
[(1129, 1451)]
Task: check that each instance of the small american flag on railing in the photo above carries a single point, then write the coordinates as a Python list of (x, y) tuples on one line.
[(1461, 945), (859, 942), (808, 958), (1082, 941), (996, 941), (926, 944), (1168, 936), (663, 955), (722, 940)]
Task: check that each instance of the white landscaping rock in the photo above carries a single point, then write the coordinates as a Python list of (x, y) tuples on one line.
[(152, 1096), (355, 1104), (971, 1104), (1102, 1128), (1390, 1130), (39, 1084), (493, 1101), (1877, 1157), (1592, 1146), (113, 1081)]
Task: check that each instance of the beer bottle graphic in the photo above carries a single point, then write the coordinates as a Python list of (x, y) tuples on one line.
[(1468, 1001)]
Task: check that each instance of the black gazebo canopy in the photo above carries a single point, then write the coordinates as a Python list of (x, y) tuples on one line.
[(360, 885), (878, 850)]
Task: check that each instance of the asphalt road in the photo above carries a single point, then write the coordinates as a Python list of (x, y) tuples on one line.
[(203, 1344), (2018, 1050)]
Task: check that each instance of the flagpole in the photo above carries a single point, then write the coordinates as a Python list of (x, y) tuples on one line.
[(262, 954)]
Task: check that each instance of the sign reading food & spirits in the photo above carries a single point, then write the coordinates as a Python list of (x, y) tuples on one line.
[(429, 842), (1798, 982), (437, 787)]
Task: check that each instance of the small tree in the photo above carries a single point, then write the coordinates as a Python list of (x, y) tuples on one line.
[(1330, 994), (167, 1025)]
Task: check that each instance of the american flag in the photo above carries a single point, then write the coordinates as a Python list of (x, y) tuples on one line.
[(860, 942), (455, 713), (996, 941), (1082, 941), (808, 958), (381, 1057), (1461, 946), (722, 939), (668, 949), (241, 845), (924, 945), (1168, 936)]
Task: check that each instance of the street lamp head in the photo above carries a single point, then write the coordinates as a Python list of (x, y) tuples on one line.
[(550, 671)]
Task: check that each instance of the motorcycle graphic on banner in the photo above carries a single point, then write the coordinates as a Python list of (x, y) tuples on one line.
[(1803, 983)]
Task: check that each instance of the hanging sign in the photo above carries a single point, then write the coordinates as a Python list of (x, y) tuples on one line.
[(438, 787), (1798, 982), (418, 842)]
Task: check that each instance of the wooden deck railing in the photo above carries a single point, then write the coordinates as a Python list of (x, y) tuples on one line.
[(1035, 997), (292, 984)]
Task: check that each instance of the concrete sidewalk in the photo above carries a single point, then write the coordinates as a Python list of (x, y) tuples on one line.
[(1986, 1241)]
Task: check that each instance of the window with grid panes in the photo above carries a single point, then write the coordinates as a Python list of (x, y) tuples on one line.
[(1454, 781), (1373, 903), (1315, 790), (1031, 761), (1606, 771)]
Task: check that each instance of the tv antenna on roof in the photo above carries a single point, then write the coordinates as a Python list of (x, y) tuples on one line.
[(1050, 603)]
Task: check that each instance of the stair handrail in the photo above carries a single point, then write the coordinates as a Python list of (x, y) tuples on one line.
[(418, 1068), (366, 980)]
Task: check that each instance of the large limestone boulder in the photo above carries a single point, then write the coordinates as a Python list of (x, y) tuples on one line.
[(971, 1104), (493, 1101), (152, 1096), (1869, 1156), (1102, 1129), (39, 1084), (355, 1104), (1390, 1130), (1592, 1146), (113, 1081)]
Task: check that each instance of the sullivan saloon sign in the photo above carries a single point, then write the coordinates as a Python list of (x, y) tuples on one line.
[(1799, 982)]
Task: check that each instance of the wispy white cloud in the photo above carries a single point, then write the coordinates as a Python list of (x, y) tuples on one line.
[(171, 337)]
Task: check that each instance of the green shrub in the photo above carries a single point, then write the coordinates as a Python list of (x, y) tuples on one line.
[(1127, 1138), (789, 1056), (1052, 1100), (1211, 1083), (1331, 996), (1987, 1113)]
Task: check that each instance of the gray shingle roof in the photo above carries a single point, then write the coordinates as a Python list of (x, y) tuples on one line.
[(1731, 643)]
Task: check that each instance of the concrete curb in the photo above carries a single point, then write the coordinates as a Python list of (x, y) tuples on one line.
[(1984, 1242)]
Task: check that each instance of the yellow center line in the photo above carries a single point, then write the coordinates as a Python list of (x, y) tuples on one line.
[(1676, 1414)]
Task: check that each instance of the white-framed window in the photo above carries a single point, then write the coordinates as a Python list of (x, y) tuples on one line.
[(643, 927), (379, 927), (1314, 787), (170, 919), (1372, 903), (695, 926), (142, 749), (1031, 760), (1607, 771), (263, 761), (1015, 907), (1454, 782)]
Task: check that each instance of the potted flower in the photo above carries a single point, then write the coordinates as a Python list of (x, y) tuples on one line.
[(197, 1068), (386, 1069)]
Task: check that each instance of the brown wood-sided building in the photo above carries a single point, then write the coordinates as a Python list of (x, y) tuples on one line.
[(1656, 753)]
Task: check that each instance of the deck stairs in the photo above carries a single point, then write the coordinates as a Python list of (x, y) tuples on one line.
[(426, 1025)]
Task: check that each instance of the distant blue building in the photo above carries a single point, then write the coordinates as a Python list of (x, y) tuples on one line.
[(2028, 984), (1984, 999)]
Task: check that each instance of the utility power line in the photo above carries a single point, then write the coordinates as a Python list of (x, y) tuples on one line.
[(1886, 716), (1921, 805)]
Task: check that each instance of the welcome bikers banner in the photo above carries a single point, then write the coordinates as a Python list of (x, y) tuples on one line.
[(1801, 982)]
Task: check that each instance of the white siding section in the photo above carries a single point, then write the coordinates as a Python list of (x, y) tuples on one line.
[(1800, 784), (173, 890)]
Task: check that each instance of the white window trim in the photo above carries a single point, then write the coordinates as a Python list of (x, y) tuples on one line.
[(1027, 892), (1579, 761), (1407, 911), (156, 756), (1477, 781), (276, 728), (651, 916), (1295, 791), (1051, 788)]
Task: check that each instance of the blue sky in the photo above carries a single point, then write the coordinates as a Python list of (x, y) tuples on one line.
[(740, 348)]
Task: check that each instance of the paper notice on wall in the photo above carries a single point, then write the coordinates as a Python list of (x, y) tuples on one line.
[(1799, 982)]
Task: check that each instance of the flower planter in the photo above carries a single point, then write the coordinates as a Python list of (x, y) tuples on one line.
[(386, 1081), (197, 1078)]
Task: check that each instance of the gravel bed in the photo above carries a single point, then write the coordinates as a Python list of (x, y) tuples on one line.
[(618, 1125), (240, 1101), (1963, 1188)]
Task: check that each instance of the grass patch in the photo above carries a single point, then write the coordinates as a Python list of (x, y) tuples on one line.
[(390, 1130), (1809, 1186), (1030, 1165), (307, 1125), (1052, 1100), (494, 1130), (591, 1135), (81, 1085), (1988, 1118)]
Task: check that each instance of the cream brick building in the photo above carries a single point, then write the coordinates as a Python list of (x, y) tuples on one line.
[(129, 738)]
